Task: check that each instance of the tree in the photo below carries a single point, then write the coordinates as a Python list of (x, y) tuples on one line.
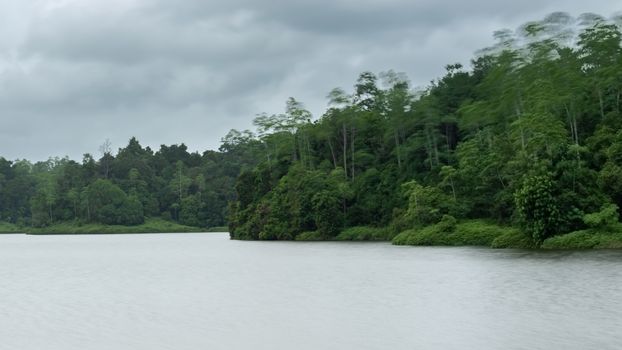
[(537, 207)]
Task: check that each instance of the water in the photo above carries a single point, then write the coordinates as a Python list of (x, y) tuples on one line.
[(203, 291)]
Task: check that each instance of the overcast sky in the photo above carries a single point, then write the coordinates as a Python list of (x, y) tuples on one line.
[(74, 73)]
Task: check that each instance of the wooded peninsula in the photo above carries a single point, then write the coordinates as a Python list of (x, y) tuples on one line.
[(522, 150)]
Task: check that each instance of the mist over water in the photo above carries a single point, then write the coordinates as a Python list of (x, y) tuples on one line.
[(203, 291)]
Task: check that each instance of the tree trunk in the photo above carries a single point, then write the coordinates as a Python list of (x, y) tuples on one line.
[(332, 153), (345, 150), (268, 156), (397, 149), (88, 210), (180, 186), (309, 158), (352, 152), (522, 131), (601, 103), (429, 147), (436, 156), (453, 188)]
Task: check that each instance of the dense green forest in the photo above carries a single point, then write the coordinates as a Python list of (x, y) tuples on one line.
[(527, 142), (530, 137), (171, 183)]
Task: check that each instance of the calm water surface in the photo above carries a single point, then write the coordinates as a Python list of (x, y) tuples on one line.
[(203, 291)]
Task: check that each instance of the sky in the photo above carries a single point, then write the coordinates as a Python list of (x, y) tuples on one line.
[(74, 73)]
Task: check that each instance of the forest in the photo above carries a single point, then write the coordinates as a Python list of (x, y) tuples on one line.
[(526, 143), (123, 189), (521, 148)]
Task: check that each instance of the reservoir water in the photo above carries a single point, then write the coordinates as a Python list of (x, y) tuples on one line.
[(203, 291)]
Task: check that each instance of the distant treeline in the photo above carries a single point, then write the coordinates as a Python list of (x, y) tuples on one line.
[(122, 189)]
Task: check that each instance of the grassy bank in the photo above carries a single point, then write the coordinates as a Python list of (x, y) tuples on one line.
[(151, 225), (484, 233), (469, 233), (357, 233), (586, 239), (217, 229), (6, 227)]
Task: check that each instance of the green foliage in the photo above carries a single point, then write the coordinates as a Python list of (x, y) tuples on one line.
[(513, 238), (302, 200), (427, 205), (190, 212), (447, 224), (365, 233), (537, 207), (151, 225), (108, 204), (586, 239), (449, 233), (327, 213), (606, 219), (6, 227), (530, 135), (217, 229), (311, 236)]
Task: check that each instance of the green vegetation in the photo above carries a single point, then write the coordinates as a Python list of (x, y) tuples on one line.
[(359, 233), (513, 239), (310, 236), (122, 190), (217, 229), (518, 151), (151, 225), (450, 233), (585, 239), (6, 227), (365, 233), (524, 149)]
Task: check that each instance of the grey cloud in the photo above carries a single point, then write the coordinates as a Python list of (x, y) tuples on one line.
[(76, 73)]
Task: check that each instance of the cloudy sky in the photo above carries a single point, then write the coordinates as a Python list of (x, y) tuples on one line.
[(74, 73)]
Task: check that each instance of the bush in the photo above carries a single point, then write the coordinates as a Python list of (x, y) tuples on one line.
[(427, 205), (513, 238), (537, 207), (585, 239), (327, 213), (310, 236), (6, 227), (364, 233), (606, 219), (449, 233), (447, 224), (426, 236)]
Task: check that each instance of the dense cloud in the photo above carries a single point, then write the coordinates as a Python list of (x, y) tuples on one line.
[(73, 73)]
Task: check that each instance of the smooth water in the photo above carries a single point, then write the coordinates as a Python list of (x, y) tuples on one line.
[(203, 291)]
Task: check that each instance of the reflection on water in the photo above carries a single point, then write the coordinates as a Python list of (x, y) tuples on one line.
[(203, 291)]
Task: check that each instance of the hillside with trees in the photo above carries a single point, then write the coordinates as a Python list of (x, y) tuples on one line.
[(530, 137)]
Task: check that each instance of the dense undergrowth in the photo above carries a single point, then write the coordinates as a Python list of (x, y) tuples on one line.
[(151, 225)]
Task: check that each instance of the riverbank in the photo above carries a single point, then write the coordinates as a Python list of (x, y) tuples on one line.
[(482, 233), (467, 233), (151, 225), (6, 227)]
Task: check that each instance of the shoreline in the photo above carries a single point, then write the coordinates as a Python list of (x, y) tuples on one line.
[(150, 226), (474, 233)]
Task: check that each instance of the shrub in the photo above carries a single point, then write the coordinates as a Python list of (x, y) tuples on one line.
[(537, 207), (364, 233), (606, 219), (310, 236), (585, 239)]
